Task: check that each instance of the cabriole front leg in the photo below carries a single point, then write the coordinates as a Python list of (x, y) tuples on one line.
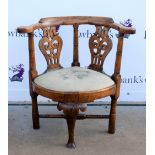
[(71, 111), (71, 119)]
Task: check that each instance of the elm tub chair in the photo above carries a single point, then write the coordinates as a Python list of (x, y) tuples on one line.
[(73, 87)]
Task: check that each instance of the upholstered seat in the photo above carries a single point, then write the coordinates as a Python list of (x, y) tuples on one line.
[(74, 79)]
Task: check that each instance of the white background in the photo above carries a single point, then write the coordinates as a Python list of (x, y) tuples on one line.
[(150, 97), (133, 62)]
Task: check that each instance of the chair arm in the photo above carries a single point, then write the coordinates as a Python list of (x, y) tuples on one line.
[(25, 29), (31, 28), (123, 29)]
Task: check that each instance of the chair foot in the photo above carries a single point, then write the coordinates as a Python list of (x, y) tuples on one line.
[(71, 119), (35, 113), (111, 128), (71, 145), (36, 124), (36, 127)]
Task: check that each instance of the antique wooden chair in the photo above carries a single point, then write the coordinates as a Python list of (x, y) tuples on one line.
[(74, 87)]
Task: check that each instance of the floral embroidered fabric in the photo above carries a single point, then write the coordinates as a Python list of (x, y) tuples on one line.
[(74, 79)]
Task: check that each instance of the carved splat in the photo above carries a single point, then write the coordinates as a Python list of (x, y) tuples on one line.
[(50, 46), (100, 45)]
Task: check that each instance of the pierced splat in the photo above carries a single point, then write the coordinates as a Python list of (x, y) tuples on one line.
[(50, 46), (100, 45)]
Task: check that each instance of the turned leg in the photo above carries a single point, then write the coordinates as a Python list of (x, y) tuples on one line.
[(71, 111), (35, 113), (112, 117)]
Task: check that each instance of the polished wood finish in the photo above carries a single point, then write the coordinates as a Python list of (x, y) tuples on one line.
[(32, 62), (112, 117), (74, 97), (78, 117), (75, 47), (51, 44), (35, 112), (54, 21), (70, 20), (32, 74), (100, 45), (71, 111)]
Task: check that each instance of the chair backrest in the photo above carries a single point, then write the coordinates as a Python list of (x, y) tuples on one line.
[(100, 43)]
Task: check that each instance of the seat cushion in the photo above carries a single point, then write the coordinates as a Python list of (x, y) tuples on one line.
[(74, 79)]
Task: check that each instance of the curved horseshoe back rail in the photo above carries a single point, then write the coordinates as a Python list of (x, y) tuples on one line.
[(72, 20)]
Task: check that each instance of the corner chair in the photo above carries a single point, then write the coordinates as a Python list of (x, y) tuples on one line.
[(73, 87)]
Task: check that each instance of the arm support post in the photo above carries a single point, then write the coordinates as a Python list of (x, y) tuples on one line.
[(116, 76), (119, 54), (32, 64)]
